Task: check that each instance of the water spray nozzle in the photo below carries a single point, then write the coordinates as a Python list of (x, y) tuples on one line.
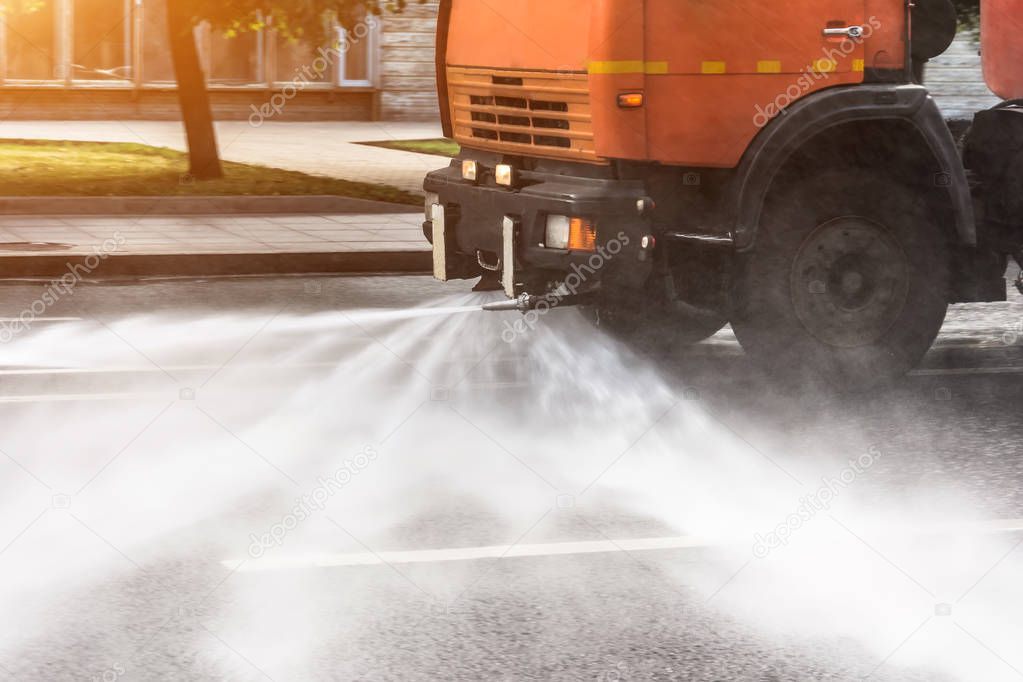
[(522, 304)]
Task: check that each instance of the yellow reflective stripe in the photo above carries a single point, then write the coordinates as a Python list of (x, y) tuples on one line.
[(627, 67), (825, 66), (616, 67), (707, 67)]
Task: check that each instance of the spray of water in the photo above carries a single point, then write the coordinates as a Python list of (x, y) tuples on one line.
[(473, 440)]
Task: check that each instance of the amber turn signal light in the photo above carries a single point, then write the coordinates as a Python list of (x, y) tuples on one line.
[(582, 235), (631, 100)]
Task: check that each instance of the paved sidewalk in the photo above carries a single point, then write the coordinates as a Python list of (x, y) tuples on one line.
[(326, 148), (41, 246)]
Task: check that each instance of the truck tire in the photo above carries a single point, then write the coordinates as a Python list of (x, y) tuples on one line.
[(847, 284)]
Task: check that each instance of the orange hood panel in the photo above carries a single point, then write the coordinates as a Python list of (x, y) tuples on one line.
[(523, 34)]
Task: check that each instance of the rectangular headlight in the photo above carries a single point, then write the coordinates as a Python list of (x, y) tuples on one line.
[(558, 232), (504, 175), (570, 233), (470, 170)]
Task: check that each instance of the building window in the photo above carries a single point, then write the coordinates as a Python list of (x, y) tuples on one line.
[(124, 43), (157, 66), (30, 41), (101, 40), (236, 60), (346, 63), (357, 47), (302, 62)]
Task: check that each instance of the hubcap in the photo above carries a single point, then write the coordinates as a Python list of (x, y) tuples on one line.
[(850, 282)]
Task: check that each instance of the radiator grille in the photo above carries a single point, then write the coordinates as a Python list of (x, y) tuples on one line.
[(523, 112)]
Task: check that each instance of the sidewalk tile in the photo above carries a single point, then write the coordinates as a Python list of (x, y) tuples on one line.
[(300, 220)]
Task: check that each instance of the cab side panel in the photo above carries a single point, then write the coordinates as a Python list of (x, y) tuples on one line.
[(1002, 49), (885, 48), (731, 66), (618, 65)]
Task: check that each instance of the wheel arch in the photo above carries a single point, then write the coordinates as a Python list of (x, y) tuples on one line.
[(863, 126)]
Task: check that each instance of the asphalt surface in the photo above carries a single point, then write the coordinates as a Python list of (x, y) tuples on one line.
[(362, 478)]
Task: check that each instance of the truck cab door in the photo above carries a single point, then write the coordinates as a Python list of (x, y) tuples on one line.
[(726, 68), (737, 37)]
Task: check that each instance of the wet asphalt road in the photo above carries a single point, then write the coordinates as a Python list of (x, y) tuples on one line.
[(299, 478)]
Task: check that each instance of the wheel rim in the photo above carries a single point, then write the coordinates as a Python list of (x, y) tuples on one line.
[(850, 282)]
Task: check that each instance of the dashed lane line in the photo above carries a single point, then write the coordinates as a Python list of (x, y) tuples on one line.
[(966, 371), (40, 320), (502, 552)]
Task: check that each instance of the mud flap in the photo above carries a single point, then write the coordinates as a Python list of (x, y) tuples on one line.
[(994, 152)]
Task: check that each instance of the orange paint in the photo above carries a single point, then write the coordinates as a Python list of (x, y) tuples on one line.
[(712, 73), (1001, 24)]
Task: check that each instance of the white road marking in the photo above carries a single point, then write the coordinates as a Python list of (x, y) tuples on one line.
[(82, 397), (37, 320), (499, 552), (966, 371), (430, 556), (149, 369), (181, 369)]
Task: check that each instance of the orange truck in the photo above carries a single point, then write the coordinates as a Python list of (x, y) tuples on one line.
[(680, 165)]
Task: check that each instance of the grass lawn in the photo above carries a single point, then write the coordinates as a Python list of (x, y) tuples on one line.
[(98, 169), (439, 147)]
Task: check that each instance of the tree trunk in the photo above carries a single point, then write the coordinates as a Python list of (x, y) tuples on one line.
[(204, 157)]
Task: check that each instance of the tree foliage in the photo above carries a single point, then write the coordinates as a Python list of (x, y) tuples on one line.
[(968, 11), (294, 19)]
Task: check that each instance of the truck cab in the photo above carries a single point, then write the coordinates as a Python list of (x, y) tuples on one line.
[(683, 164)]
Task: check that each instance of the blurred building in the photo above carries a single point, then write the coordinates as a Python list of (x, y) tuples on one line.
[(956, 79), (109, 59)]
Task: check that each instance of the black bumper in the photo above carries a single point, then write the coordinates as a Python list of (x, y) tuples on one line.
[(476, 213)]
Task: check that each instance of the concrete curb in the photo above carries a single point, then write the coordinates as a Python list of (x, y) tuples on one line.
[(194, 205), (218, 265)]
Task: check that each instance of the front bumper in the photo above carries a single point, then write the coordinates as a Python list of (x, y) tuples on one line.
[(483, 225)]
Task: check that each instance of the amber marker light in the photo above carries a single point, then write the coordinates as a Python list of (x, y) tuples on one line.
[(582, 235), (631, 100)]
